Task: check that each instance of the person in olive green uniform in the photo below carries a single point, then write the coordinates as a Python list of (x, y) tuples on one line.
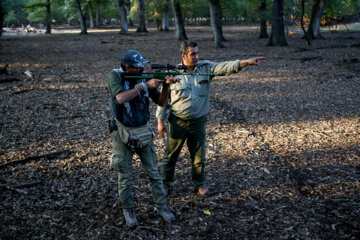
[(129, 104), (189, 104)]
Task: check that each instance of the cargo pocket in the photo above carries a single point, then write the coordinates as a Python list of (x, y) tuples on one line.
[(120, 153), (178, 89), (202, 86)]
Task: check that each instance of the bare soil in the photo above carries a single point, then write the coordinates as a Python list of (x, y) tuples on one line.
[(283, 140)]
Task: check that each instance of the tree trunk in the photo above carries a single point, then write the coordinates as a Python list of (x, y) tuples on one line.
[(179, 22), (1, 19), (317, 11), (91, 16), (306, 37), (48, 17), (219, 8), (263, 26), (97, 15), (123, 17), (216, 23), (81, 17), (277, 37), (130, 21), (142, 20), (165, 17)]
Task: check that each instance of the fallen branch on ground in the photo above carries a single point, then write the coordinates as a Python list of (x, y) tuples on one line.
[(7, 79), (305, 59), (12, 188), (30, 184), (22, 91), (33, 158)]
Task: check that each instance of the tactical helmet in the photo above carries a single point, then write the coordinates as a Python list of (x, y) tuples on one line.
[(133, 58)]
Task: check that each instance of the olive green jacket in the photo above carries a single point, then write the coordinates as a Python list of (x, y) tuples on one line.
[(189, 98)]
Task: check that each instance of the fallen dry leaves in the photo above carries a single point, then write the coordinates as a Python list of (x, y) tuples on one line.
[(282, 140)]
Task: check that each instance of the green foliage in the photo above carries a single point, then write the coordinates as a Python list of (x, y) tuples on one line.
[(234, 8), (247, 10), (13, 13), (134, 9), (195, 8), (69, 9), (58, 12), (159, 8), (11, 5), (338, 8), (160, 5), (11, 17), (36, 10), (62, 11), (110, 9)]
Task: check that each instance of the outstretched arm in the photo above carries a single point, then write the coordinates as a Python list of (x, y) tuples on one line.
[(251, 61)]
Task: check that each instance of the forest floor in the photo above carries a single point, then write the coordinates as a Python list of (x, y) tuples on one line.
[(283, 140)]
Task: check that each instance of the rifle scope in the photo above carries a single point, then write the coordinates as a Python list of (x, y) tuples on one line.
[(168, 66)]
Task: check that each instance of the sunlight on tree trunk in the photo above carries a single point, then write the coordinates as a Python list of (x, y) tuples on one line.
[(216, 23), (317, 11), (91, 17), (81, 18), (165, 17), (179, 22), (123, 17)]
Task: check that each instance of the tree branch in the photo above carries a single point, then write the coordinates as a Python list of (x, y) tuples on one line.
[(12, 188), (33, 158)]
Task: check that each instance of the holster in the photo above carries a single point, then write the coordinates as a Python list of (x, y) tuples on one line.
[(112, 125)]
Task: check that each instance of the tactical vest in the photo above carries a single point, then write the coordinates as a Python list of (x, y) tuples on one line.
[(140, 114)]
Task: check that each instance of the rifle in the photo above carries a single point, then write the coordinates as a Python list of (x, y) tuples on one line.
[(163, 71)]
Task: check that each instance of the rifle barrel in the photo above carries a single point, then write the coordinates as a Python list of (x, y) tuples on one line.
[(150, 75), (206, 74)]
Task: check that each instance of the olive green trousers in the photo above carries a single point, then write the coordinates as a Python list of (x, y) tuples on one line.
[(194, 132), (122, 161)]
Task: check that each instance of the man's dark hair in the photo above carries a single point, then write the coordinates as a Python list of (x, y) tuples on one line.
[(186, 44)]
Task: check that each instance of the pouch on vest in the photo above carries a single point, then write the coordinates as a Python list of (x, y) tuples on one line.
[(135, 137)]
